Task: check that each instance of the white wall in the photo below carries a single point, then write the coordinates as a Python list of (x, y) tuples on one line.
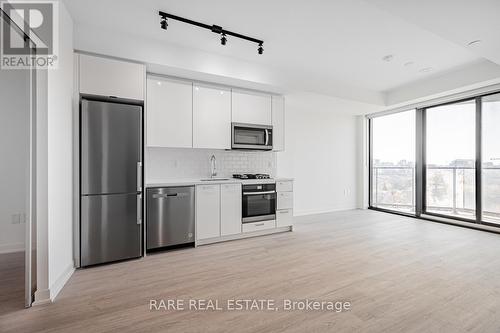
[(14, 152), (55, 169), (60, 158), (321, 151)]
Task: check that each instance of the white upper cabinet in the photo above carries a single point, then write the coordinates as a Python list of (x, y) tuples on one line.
[(251, 108), (278, 111), (211, 117), (109, 77), (169, 113), (230, 209), (207, 211)]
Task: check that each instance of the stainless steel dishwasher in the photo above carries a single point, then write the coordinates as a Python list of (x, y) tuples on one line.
[(170, 216)]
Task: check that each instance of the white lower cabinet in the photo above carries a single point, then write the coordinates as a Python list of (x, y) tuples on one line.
[(284, 207), (256, 226), (207, 211), (230, 209), (284, 218), (219, 212), (285, 200)]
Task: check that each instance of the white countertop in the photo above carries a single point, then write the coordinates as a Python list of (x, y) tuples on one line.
[(191, 182)]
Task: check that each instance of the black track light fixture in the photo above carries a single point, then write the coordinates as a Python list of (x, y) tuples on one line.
[(164, 23), (214, 28)]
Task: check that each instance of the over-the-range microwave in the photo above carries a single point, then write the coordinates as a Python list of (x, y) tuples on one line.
[(251, 136)]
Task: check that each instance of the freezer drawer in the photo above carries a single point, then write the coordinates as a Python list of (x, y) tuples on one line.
[(110, 228), (170, 216)]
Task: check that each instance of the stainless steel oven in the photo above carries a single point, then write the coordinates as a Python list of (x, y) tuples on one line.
[(259, 202), (249, 136)]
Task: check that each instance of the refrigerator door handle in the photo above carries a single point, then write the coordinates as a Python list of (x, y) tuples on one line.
[(139, 209), (139, 176)]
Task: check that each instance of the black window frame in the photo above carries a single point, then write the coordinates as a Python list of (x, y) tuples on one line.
[(420, 164)]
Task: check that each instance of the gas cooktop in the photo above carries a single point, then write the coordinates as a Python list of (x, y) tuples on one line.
[(251, 176)]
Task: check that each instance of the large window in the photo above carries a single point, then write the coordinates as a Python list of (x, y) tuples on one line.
[(439, 161), (450, 160), (393, 162), (491, 158)]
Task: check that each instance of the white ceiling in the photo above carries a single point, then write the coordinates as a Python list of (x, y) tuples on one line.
[(337, 42)]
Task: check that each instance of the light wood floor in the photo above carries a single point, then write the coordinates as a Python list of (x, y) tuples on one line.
[(400, 274), (11, 282)]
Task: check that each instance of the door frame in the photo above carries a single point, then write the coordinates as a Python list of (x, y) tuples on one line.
[(30, 267)]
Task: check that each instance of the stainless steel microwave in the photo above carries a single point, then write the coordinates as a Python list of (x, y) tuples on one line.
[(253, 137)]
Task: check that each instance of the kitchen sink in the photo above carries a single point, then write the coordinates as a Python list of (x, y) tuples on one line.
[(213, 179)]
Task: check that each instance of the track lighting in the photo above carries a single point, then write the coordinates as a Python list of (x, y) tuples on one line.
[(163, 23), (214, 28)]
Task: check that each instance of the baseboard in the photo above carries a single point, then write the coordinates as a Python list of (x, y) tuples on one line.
[(42, 297), (61, 281), (244, 235), (12, 247), (316, 212)]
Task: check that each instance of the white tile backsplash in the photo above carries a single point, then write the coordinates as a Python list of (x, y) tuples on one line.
[(169, 163)]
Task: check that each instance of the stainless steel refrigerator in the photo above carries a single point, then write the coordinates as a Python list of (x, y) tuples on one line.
[(111, 180)]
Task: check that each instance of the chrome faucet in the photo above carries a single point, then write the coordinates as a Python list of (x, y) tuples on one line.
[(213, 166)]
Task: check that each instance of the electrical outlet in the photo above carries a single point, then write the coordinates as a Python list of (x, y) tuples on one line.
[(347, 192), (16, 218)]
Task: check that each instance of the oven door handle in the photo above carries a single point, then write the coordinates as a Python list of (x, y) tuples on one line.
[(255, 193)]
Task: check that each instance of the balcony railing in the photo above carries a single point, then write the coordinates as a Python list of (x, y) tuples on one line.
[(450, 190)]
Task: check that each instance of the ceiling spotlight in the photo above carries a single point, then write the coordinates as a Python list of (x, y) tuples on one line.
[(163, 23), (388, 58), (474, 42), (260, 49), (217, 29)]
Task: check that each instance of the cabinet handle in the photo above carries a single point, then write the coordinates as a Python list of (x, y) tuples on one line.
[(259, 224)]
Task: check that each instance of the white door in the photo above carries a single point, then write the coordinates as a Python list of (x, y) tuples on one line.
[(110, 77), (207, 211), (230, 208), (169, 113), (251, 108), (211, 117), (278, 111)]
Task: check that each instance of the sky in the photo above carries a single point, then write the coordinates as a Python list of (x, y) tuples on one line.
[(450, 134)]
